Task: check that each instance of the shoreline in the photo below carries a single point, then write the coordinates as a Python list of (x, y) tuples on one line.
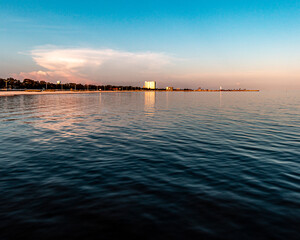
[(12, 93), (19, 93)]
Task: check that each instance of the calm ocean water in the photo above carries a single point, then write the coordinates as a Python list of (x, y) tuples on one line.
[(150, 165)]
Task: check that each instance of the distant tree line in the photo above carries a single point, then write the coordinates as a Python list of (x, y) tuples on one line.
[(11, 83)]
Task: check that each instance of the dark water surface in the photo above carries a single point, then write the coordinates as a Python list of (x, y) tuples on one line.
[(150, 166)]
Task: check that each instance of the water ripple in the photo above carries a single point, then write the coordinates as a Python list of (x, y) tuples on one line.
[(150, 165)]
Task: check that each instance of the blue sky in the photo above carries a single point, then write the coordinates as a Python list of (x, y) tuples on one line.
[(233, 43)]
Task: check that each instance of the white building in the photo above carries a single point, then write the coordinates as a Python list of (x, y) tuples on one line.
[(150, 84)]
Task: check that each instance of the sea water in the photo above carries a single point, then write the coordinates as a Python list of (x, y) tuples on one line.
[(150, 165)]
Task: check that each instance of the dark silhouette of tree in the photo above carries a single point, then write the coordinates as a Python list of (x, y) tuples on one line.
[(44, 85)]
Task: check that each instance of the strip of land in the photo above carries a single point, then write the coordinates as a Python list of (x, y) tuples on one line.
[(17, 93), (39, 92)]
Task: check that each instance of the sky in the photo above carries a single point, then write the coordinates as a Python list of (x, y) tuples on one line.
[(253, 44)]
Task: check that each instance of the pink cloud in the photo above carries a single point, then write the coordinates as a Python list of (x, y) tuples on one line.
[(93, 65)]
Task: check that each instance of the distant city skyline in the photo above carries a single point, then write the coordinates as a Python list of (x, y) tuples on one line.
[(208, 44)]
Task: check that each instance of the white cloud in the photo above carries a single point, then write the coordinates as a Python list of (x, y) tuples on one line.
[(95, 65)]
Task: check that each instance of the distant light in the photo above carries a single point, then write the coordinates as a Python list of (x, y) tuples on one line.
[(58, 82)]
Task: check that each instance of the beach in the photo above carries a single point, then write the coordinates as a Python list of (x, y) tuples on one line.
[(17, 93)]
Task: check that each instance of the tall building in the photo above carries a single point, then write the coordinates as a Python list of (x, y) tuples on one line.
[(150, 84)]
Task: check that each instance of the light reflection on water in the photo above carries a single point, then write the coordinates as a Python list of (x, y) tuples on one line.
[(158, 165), (150, 102)]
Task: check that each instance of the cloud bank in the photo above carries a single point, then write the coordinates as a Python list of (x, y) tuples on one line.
[(88, 65), (109, 66)]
